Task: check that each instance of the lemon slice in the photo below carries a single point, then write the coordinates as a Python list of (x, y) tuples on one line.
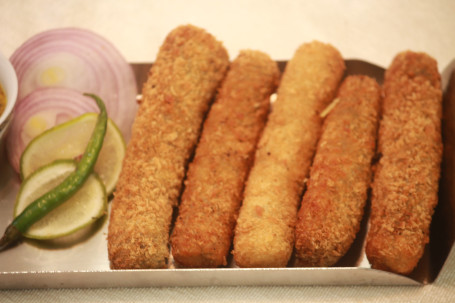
[(68, 141), (87, 205)]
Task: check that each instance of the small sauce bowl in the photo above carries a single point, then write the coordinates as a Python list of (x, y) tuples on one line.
[(8, 81)]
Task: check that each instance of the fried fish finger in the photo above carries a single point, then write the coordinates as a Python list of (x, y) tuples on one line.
[(264, 235), (181, 84), (405, 188), (332, 206), (203, 231)]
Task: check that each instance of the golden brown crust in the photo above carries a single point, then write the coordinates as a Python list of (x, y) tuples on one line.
[(332, 206), (264, 235), (213, 190), (405, 188), (176, 96)]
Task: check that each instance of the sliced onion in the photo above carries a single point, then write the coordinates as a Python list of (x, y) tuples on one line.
[(82, 60), (41, 110)]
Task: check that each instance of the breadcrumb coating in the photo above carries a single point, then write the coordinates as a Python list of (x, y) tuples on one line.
[(264, 235), (204, 228), (181, 84), (333, 204), (405, 188)]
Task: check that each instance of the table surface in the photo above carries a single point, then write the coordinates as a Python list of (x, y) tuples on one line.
[(372, 30)]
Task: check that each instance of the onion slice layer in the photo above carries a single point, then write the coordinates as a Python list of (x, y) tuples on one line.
[(39, 111), (84, 61)]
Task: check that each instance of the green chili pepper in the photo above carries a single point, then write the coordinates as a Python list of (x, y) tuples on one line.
[(65, 190)]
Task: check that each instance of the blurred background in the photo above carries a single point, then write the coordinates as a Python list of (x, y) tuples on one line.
[(371, 30)]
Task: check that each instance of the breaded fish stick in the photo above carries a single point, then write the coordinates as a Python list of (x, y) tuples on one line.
[(264, 235), (332, 206), (405, 188), (204, 228), (181, 84)]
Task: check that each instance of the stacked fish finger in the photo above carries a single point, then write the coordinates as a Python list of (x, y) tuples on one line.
[(176, 97), (405, 189), (270, 184)]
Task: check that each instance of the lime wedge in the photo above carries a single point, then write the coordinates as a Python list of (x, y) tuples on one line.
[(68, 141), (87, 205)]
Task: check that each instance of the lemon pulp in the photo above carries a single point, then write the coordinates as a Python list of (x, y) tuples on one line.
[(87, 205), (68, 141)]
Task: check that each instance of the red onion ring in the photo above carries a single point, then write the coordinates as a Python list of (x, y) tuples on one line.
[(53, 106), (81, 60)]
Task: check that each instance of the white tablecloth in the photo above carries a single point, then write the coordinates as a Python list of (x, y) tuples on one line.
[(372, 30)]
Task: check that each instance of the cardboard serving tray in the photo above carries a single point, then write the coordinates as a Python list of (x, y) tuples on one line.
[(81, 260)]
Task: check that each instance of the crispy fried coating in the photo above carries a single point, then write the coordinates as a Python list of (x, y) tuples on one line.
[(332, 206), (203, 231), (264, 235), (405, 188), (181, 84)]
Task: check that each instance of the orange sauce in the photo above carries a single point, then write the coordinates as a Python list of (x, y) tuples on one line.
[(2, 100)]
